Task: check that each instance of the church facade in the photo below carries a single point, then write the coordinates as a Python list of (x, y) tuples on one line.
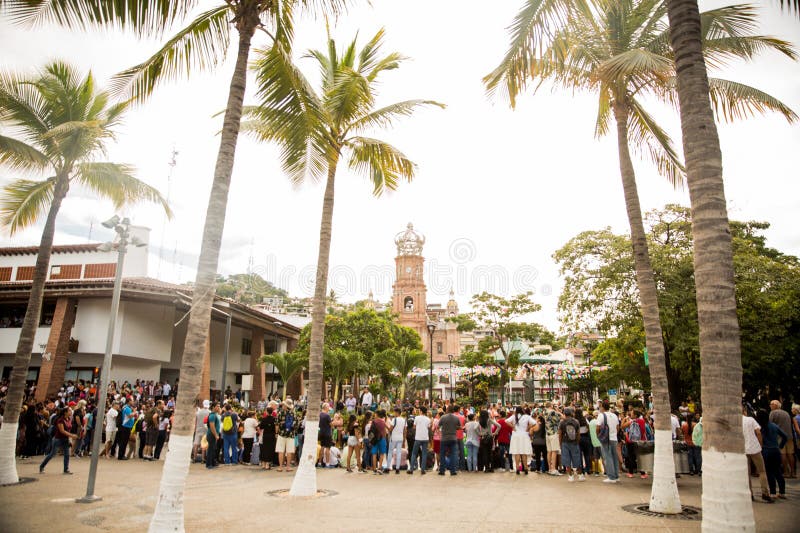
[(409, 300)]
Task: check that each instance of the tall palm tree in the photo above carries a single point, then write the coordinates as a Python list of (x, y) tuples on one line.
[(314, 131), (403, 361), (620, 49), (338, 365), (287, 364), (201, 45), (726, 502), (58, 123)]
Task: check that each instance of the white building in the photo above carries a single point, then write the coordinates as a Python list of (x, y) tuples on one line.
[(150, 327)]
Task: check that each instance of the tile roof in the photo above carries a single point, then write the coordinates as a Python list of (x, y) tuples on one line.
[(57, 249)]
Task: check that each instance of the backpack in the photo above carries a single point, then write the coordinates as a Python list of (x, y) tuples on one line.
[(372, 435), (635, 431), (569, 430), (227, 424), (602, 431)]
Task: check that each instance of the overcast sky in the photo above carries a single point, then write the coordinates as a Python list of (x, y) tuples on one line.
[(496, 193)]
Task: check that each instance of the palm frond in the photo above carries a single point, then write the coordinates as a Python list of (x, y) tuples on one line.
[(639, 65), (649, 138), (117, 183), (292, 114), (386, 116), (384, 164), (718, 52), (529, 31), (201, 45), (18, 155), (143, 18), (21, 104), (737, 101), (603, 112), (24, 201)]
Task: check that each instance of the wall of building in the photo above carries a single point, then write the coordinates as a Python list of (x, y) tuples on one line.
[(135, 258), (9, 337), (91, 325), (146, 330)]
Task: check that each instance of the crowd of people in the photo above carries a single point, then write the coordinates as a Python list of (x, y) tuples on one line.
[(365, 435)]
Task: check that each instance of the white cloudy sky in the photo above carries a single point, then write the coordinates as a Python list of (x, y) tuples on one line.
[(497, 191)]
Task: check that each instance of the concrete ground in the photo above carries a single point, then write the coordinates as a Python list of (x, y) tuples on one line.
[(236, 499)]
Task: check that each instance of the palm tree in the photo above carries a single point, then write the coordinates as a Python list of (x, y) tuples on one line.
[(287, 364), (58, 124), (201, 45), (314, 131), (726, 503), (338, 365), (621, 50), (402, 361)]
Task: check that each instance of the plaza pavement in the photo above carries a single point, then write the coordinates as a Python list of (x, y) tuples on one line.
[(236, 499)]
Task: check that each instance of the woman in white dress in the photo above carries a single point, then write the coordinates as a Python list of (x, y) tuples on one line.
[(520, 448)]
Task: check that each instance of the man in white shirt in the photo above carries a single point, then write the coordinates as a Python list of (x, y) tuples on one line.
[(608, 444), (350, 403), (676, 427), (111, 428), (165, 390), (366, 399), (752, 448), (397, 439), (422, 426)]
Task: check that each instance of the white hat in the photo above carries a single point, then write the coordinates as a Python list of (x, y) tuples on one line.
[(206, 404)]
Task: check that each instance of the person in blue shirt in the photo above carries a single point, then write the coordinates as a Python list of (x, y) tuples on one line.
[(213, 435), (124, 433), (773, 440)]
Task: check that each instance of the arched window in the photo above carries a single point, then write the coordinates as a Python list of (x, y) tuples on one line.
[(408, 304)]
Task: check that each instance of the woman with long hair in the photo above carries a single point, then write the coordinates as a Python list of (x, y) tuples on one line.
[(539, 445), (487, 429), (266, 427), (520, 448), (354, 435), (585, 442)]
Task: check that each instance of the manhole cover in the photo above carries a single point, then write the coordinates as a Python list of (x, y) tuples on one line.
[(284, 493), (687, 512), (21, 481)]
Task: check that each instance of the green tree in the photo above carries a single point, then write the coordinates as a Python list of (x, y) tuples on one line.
[(57, 123), (287, 364), (402, 360), (247, 288), (621, 50), (203, 44), (339, 365), (501, 316), (314, 130)]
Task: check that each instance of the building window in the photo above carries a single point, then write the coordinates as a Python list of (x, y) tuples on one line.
[(247, 346), (438, 347), (408, 304)]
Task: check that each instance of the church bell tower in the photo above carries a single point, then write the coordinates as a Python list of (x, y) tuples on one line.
[(408, 298)]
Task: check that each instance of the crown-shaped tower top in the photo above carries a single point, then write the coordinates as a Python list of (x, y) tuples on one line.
[(409, 242)]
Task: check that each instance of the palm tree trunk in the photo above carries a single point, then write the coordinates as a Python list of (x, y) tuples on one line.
[(22, 357), (726, 494), (664, 496), (168, 515), (305, 479)]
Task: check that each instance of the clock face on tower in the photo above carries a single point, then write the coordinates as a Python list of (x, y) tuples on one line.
[(408, 270)]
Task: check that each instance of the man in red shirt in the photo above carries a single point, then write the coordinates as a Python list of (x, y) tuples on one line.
[(504, 441)]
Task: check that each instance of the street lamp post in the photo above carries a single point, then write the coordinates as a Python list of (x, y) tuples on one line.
[(122, 228), (431, 329), (450, 357)]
